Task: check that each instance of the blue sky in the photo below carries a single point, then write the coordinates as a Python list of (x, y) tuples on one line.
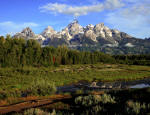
[(130, 16)]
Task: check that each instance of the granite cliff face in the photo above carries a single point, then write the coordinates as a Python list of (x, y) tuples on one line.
[(98, 37), (27, 33), (49, 32)]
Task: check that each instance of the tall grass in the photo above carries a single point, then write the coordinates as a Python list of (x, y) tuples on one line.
[(42, 81), (42, 88)]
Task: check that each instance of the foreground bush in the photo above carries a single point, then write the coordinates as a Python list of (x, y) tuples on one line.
[(136, 107), (36, 111), (88, 100), (105, 98), (42, 88), (94, 100)]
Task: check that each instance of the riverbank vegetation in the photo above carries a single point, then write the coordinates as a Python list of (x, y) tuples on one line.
[(33, 81), (115, 102)]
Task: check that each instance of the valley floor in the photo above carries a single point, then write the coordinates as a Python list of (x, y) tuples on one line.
[(22, 78), (33, 81)]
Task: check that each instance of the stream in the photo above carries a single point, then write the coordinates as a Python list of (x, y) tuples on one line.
[(99, 86), (66, 104)]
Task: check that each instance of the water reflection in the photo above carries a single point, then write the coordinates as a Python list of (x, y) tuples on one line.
[(140, 86)]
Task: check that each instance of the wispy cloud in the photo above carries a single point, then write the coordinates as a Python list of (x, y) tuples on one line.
[(139, 8), (9, 27), (76, 11), (133, 19)]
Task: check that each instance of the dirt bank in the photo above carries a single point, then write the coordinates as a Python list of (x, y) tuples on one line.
[(32, 103)]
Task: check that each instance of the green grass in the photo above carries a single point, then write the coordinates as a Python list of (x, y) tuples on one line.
[(20, 79)]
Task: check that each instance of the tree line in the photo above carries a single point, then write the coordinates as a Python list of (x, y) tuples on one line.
[(16, 52), (140, 59)]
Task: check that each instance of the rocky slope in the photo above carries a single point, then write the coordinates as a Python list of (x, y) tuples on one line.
[(27, 34), (98, 37)]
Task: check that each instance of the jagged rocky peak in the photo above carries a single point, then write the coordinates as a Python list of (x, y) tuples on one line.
[(100, 25), (48, 32), (39, 37), (58, 35), (74, 33), (115, 31), (75, 21), (89, 27), (65, 34), (28, 32), (89, 32), (49, 29), (102, 30), (75, 28)]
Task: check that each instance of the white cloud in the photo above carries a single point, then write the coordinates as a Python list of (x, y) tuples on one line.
[(137, 26), (133, 19), (81, 10), (137, 9), (113, 4), (10, 27)]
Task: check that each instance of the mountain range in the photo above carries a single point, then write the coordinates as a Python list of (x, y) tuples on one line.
[(90, 38)]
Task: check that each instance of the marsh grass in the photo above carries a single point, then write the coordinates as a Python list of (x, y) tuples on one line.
[(13, 81)]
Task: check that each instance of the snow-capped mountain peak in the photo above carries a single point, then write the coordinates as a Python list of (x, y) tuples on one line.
[(74, 33), (48, 32)]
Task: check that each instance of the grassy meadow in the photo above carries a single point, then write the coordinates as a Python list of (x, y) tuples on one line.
[(16, 80)]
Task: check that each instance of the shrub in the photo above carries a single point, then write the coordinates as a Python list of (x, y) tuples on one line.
[(3, 95), (88, 100), (94, 100), (36, 111), (42, 88), (107, 99), (135, 107)]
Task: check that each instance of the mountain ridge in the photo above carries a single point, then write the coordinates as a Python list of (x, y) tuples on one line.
[(99, 36)]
